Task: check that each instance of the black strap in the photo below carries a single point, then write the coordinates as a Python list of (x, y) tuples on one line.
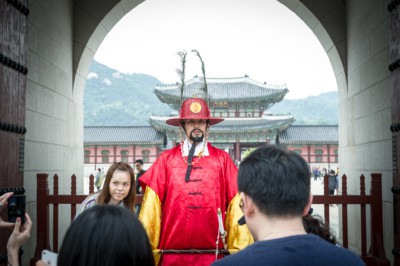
[(189, 161)]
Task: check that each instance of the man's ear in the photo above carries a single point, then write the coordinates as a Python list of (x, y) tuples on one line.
[(308, 206), (248, 205)]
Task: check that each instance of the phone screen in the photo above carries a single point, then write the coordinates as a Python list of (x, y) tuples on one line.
[(16, 208)]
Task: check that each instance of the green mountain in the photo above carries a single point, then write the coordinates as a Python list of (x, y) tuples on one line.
[(313, 110), (112, 98), (116, 99)]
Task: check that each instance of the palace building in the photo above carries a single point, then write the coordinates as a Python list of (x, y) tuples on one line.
[(242, 102), (104, 145)]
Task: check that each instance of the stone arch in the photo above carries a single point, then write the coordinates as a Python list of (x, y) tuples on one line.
[(326, 19), (92, 22), (328, 23)]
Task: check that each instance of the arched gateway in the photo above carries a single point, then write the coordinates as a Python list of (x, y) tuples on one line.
[(47, 48)]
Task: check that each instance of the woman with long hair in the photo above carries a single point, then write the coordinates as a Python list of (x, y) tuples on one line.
[(314, 224), (118, 189)]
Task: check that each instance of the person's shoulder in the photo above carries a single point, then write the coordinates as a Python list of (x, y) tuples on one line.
[(91, 199), (170, 152), (244, 257), (336, 253), (219, 152), (234, 259), (346, 255), (164, 156)]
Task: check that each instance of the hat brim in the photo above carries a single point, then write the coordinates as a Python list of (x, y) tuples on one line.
[(176, 121)]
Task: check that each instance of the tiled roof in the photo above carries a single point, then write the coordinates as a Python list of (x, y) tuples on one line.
[(276, 123), (295, 134), (239, 90), (122, 135), (299, 134)]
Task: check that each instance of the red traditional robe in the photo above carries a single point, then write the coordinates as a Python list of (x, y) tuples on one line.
[(183, 215)]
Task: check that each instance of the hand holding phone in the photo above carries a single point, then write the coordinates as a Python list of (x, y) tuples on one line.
[(49, 258), (3, 204), (16, 208)]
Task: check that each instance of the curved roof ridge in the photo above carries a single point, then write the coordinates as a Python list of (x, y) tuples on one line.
[(317, 126), (117, 126), (232, 119), (125, 135), (310, 134), (223, 80)]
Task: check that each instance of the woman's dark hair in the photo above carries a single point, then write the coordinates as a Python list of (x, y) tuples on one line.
[(105, 196), (106, 235), (314, 224)]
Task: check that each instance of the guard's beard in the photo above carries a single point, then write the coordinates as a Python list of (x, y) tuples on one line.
[(196, 139)]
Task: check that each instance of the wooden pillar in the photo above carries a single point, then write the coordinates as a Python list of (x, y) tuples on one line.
[(42, 216), (238, 151), (329, 155), (377, 219), (95, 157), (133, 157)]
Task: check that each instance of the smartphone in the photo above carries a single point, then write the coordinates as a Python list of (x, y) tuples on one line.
[(16, 208), (49, 258)]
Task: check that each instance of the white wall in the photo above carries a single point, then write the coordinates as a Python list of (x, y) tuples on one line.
[(53, 143), (355, 35), (365, 108)]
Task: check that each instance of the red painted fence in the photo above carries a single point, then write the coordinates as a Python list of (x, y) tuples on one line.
[(376, 253), (374, 256)]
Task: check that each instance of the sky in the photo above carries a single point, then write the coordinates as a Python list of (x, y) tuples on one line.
[(262, 39)]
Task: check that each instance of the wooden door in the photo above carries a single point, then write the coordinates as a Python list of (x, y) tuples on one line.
[(13, 70), (394, 67)]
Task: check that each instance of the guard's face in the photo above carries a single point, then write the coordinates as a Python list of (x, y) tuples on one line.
[(195, 129)]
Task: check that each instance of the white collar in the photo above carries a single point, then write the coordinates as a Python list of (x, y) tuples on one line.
[(186, 147)]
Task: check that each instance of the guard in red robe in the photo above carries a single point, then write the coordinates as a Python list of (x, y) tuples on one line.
[(185, 188)]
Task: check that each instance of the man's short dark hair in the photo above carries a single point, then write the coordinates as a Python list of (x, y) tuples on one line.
[(139, 161), (278, 181)]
